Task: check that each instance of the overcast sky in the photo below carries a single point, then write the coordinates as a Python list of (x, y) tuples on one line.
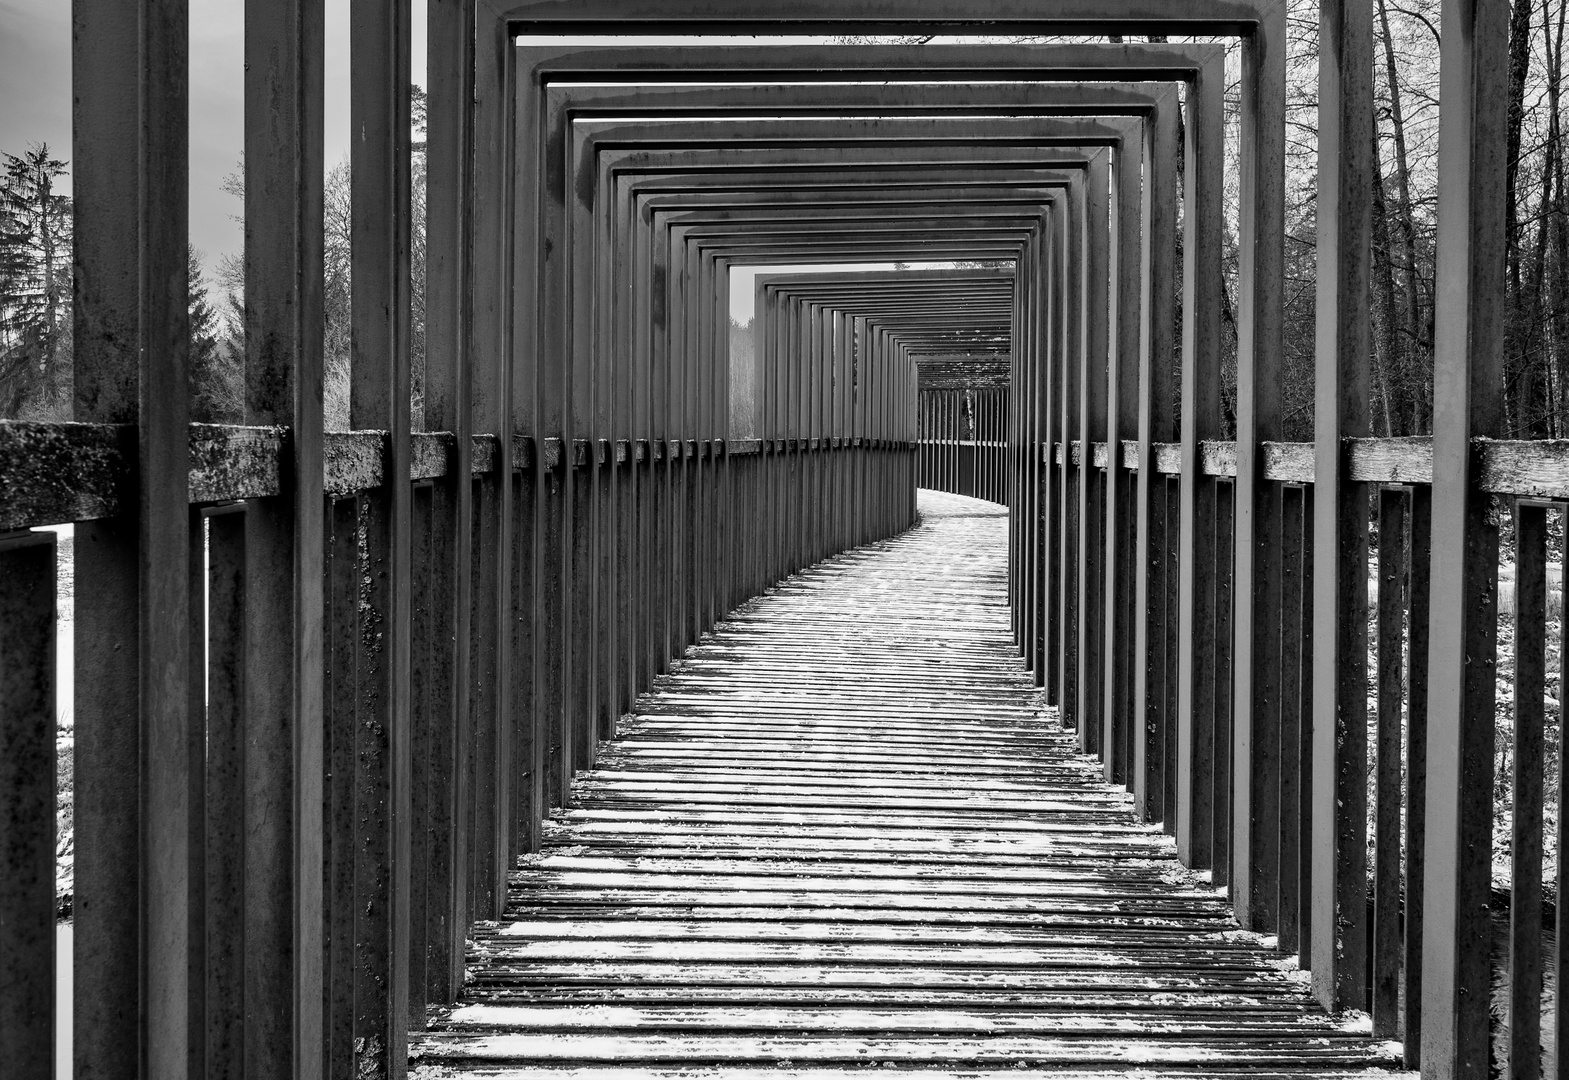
[(35, 102), (35, 96)]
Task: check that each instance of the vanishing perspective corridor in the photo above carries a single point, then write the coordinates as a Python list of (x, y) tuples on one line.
[(846, 831)]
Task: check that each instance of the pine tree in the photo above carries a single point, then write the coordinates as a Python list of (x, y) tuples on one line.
[(215, 375), (35, 286)]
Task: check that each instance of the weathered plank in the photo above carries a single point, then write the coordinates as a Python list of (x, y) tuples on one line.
[(55, 473), (845, 829), (1168, 458)]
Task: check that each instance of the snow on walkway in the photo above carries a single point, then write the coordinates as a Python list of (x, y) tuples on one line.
[(845, 832)]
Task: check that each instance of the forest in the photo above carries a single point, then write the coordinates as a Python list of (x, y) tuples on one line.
[(35, 294), (35, 245)]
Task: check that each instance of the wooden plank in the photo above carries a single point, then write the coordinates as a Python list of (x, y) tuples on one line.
[(748, 932), (27, 828), (1534, 468), (1289, 462), (56, 473), (1391, 461), (1218, 457)]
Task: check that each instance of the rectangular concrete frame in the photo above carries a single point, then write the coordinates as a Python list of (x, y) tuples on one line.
[(1261, 26), (927, 52), (834, 302)]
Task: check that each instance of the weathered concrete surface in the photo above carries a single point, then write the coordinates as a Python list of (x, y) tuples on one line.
[(845, 832)]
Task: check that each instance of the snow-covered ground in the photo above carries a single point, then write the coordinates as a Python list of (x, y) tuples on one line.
[(65, 735)]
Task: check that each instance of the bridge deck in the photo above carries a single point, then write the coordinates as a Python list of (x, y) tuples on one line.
[(845, 832)]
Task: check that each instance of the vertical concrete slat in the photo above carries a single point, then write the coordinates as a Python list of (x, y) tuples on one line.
[(1339, 844), (1255, 641), (380, 385), (449, 391), (27, 816), (285, 643), (138, 912), (1202, 228), (1467, 405)]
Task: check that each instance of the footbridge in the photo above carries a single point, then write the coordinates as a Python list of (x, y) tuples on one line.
[(957, 672)]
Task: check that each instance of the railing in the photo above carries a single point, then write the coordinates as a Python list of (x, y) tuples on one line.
[(963, 445), (1382, 798), (327, 684), (428, 788)]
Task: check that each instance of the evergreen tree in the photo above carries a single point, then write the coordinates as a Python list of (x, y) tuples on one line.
[(216, 374), (35, 286)]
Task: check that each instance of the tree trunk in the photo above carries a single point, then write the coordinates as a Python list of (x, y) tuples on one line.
[(1519, 70), (46, 234), (1520, 404), (1388, 356), (1557, 313), (1527, 311), (1415, 323)]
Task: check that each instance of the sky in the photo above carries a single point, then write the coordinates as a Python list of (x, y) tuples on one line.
[(35, 102), (35, 97)]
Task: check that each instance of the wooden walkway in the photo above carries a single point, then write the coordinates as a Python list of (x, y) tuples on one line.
[(844, 833)]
